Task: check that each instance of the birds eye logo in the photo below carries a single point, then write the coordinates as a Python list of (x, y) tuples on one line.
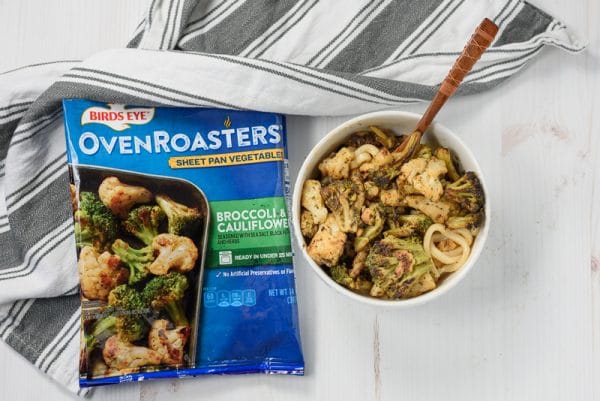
[(227, 122), (117, 116)]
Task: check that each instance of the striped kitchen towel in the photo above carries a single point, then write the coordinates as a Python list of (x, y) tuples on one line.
[(310, 57)]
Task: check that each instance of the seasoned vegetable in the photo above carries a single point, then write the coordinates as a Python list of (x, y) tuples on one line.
[(126, 321), (137, 260), (467, 191), (471, 222), (345, 199), (99, 273), (166, 292), (143, 222), (173, 252), (408, 225), (94, 224), (168, 343), (395, 264), (120, 197), (327, 246), (129, 306), (182, 219), (437, 211), (312, 201), (424, 176), (119, 354), (445, 155), (340, 275), (375, 222), (401, 217), (337, 166)]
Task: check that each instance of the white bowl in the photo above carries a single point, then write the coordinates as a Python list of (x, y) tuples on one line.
[(400, 122)]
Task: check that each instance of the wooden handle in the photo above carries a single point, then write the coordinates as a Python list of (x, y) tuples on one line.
[(482, 38)]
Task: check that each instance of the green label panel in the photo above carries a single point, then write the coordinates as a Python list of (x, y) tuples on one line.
[(248, 233)]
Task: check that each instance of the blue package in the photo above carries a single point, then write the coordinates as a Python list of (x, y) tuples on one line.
[(183, 242)]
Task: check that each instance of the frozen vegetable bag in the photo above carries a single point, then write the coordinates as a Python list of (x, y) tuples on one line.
[(183, 242)]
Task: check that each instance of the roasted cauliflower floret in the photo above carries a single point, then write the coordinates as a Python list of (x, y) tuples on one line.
[(174, 253), (120, 197), (337, 165), (327, 246), (307, 224), (313, 202), (371, 190), (382, 159), (123, 355), (390, 197), (437, 211), (345, 199), (99, 273), (424, 175), (168, 343)]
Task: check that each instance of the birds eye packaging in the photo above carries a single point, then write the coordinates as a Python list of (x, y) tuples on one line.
[(183, 242)]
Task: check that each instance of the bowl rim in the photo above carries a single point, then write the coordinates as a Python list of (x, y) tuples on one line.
[(456, 277)]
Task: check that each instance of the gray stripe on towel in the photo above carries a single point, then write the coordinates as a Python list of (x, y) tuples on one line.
[(388, 29)]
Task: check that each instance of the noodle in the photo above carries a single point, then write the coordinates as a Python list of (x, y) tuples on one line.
[(453, 259), (363, 154), (359, 159)]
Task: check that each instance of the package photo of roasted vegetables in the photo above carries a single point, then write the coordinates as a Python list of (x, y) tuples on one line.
[(183, 244)]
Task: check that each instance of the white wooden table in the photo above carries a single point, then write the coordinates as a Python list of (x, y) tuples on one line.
[(524, 325)]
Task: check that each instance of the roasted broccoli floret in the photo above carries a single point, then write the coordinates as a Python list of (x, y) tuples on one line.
[(130, 307), (137, 260), (445, 155), (409, 225), (126, 318), (395, 265), (167, 292), (471, 222), (182, 219), (101, 330), (143, 222), (345, 198), (94, 223), (424, 152), (466, 191), (339, 274)]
